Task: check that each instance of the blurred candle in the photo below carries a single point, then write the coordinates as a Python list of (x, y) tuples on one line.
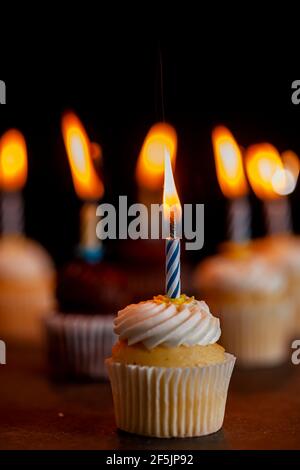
[(271, 182), (173, 218), (232, 181), (87, 183), (13, 175)]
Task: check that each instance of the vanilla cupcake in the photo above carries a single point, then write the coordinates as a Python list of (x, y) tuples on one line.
[(169, 376), (27, 289), (250, 295), (284, 252)]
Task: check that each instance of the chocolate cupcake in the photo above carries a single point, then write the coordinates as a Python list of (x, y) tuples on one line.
[(80, 335), (91, 287)]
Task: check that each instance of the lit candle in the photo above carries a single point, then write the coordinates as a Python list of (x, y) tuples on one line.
[(232, 180), (291, 166), (271, 181), (87, 183), (150, 164), (172, 217), (13, 175)]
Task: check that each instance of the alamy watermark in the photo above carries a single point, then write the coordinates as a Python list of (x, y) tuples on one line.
[(296, 354), (295, 96), (2, 353), (139, 221), (2, 92)]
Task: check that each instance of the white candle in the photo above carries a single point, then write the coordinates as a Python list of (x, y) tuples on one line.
[(232, 180), (12, 213), (239, 220), (278, 216), (90, 246)]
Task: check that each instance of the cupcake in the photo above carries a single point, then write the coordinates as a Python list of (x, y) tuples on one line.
[(253, 302), (80, 335), (284, 252), (169, 377), (91, 287), (27, 289)]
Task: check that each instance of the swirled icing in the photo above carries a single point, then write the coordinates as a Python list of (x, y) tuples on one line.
[(162, 322), (249, 274)]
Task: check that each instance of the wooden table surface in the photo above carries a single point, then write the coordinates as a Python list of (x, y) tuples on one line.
[(263, 412)]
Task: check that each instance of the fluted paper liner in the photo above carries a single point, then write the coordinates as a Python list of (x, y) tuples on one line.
[(170, 402), (78, 344)]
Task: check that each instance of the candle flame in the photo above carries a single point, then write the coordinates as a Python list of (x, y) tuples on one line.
[(150, 165), (284, 181), (171, 202), (265, 171), (291, 164), (229, 163), (87, 183), (13, 158), (96, 151)]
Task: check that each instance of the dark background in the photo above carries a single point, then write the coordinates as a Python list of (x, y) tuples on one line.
[(118, 97)]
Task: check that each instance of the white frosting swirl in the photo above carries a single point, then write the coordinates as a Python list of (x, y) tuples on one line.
[(167, 324), (249, 274), (284, 251), (22, 259)]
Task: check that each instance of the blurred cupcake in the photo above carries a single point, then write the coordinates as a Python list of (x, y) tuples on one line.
[(81, 336), (27, 285), (250, 295), (284, 252), (91, 287), (169, 377)]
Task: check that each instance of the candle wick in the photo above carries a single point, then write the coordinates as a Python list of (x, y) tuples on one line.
[(172, 225)]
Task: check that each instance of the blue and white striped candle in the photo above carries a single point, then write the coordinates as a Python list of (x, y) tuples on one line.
[(173, 268), (172, 215)]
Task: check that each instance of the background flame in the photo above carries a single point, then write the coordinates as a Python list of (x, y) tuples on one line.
[(264, 170), (229, 163), (150, 165), (87, 183), (284, 181), (291, 163), (13, 159)]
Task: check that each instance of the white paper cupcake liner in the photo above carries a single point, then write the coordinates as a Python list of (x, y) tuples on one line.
[(170, 402), (256, 332), (78, 344)]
